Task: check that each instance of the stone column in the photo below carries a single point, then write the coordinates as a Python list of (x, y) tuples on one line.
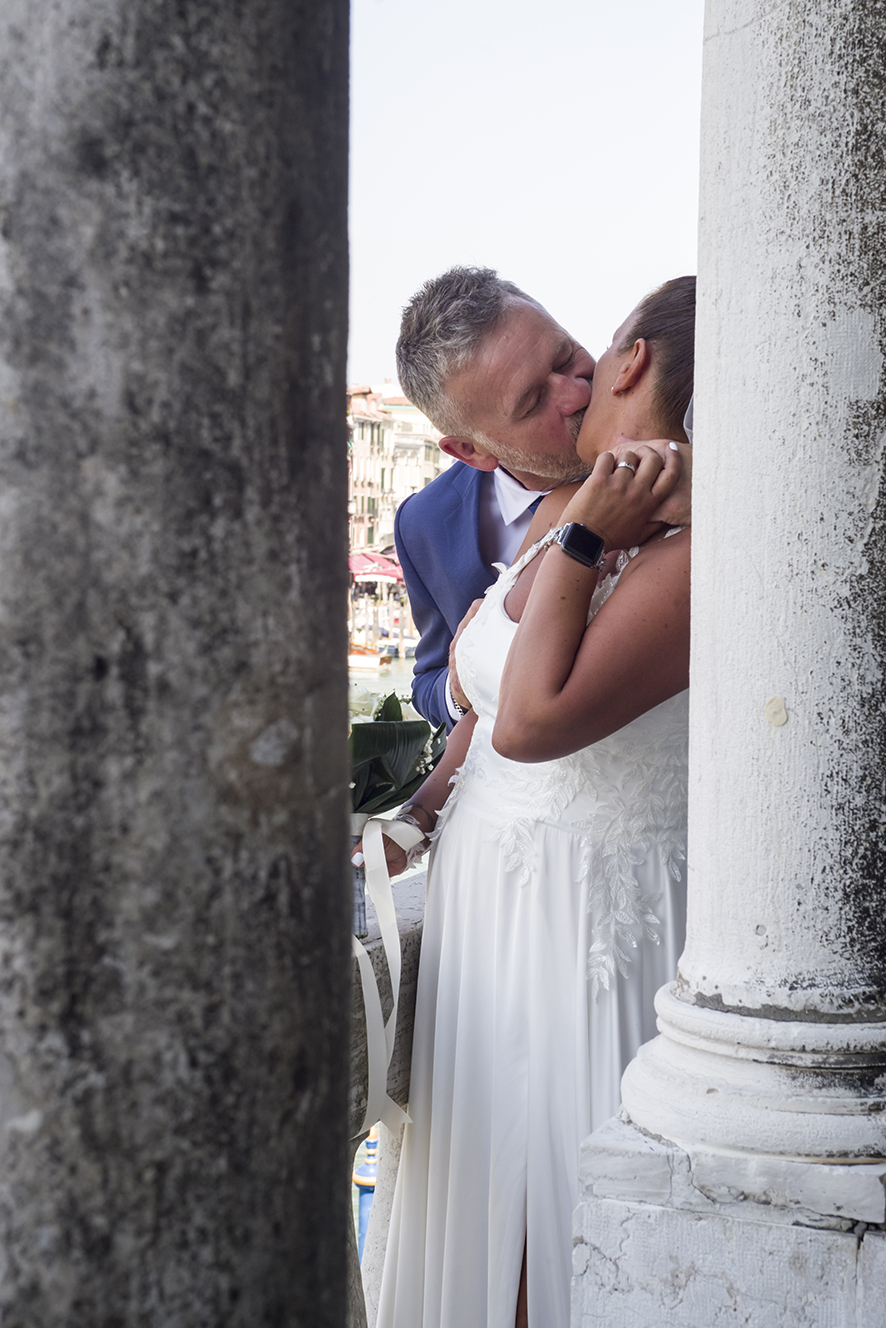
[(174, 907), (769, 1071)]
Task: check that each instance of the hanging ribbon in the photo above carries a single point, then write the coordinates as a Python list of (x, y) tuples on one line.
[(380, 1034)]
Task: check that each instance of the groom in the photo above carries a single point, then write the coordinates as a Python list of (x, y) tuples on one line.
[(508, 387)]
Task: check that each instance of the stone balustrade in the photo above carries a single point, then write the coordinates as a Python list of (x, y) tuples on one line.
[(409, 899)]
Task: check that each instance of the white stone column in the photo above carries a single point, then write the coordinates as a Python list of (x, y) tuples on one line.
[(781, 997), (771, 1064)]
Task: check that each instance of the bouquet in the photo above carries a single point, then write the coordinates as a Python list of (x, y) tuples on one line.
[(392, 753)]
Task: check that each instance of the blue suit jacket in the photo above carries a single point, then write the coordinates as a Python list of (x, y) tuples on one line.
[(437, 534)]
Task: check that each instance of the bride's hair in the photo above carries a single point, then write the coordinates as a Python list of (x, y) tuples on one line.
[(665, 319)]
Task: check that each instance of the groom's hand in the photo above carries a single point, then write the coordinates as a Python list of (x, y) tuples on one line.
[(676, 510)]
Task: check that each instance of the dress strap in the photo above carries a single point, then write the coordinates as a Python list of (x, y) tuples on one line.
[(534, 549)]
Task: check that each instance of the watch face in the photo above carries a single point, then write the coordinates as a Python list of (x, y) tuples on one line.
[(581, 544)]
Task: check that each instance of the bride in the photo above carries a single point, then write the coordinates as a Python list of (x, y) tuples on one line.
[(555, 901)]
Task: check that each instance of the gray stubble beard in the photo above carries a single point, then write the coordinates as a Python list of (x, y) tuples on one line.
[(559, 470)]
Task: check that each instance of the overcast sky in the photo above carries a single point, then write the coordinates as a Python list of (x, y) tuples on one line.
[(555, 142)]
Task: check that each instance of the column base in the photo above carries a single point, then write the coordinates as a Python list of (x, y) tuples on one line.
[(680, 1239), (789, 1088)]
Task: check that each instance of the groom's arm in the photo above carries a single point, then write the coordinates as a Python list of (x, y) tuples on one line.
[(432, 652)]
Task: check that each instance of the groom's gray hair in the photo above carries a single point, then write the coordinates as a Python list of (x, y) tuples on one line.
[(443, 326)]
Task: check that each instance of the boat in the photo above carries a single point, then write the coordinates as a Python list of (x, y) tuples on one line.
[(390, 648), (366, 658)]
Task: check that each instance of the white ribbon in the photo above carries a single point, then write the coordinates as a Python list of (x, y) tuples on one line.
[(380, 1034)]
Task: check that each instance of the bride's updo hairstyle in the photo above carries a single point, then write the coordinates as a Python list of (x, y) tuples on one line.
[(665, 319)]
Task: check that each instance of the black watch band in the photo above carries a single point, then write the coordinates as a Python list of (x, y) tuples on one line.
[(582, 544)]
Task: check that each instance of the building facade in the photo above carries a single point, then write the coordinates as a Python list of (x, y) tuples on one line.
[(392, 452)]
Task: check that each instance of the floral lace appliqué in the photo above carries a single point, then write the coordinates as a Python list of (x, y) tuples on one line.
[(632, 786)]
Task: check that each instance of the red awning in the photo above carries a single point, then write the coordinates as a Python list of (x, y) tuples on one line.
[(374, 567)]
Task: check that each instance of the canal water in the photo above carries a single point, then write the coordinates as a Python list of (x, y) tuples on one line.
[(393, 677)]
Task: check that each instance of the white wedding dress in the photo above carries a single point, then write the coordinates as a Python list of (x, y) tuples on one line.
[(548, 887)]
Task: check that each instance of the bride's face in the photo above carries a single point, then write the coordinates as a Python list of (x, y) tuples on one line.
[(603, 418)]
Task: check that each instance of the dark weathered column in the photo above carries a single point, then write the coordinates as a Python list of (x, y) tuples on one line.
[(174, 963)]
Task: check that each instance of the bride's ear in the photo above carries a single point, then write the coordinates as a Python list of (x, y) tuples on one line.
[(633, 368)]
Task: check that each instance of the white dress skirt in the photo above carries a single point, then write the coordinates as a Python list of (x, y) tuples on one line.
[(555, 910)]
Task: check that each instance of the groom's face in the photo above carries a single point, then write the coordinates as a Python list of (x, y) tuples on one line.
[(524, 395)]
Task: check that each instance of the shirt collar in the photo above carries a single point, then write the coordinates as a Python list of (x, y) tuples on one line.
[(513, 500)]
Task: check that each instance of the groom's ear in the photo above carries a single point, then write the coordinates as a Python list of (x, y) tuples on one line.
[(634, 367), (464, 449)]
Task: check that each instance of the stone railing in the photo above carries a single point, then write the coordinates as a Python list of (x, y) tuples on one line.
[(409, 899)]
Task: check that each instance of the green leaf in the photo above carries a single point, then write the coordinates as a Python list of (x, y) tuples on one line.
[(397, 745), (383, 802), (390, 759), (384, 757), (390, 709)]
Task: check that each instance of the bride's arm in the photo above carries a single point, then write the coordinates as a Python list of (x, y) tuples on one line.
[(567, 684)]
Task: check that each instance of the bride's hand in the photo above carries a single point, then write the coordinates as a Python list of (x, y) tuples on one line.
[(395, 856), (676, 510), (619, 498)]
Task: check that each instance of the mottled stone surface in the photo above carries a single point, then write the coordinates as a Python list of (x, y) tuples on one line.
[(787, 879), (668, 1239), (660, 1268), (872, 1280), (174, 966), (618, 1161)]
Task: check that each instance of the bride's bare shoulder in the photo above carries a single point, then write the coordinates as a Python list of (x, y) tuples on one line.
[(667, 556)]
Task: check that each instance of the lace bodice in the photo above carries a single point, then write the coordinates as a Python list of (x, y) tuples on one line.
[(625, 796)]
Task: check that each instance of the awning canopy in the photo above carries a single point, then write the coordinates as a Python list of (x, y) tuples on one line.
[(374, 567)]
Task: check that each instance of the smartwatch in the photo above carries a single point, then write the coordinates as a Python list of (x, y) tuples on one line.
[(582, 545)]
